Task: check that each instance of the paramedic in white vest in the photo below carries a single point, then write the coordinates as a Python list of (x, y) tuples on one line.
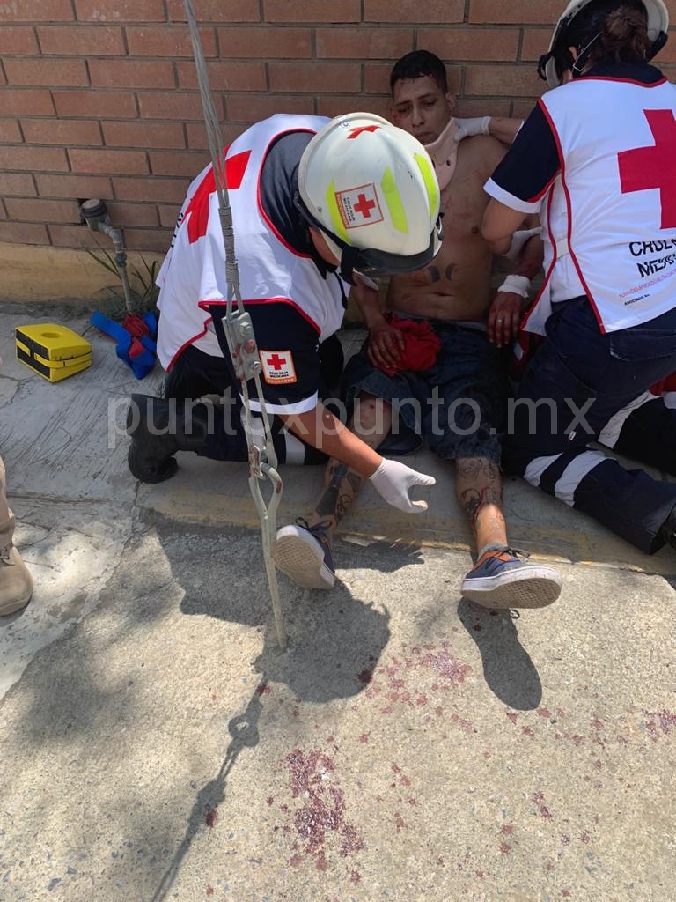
[(315, 202), (597, 157)]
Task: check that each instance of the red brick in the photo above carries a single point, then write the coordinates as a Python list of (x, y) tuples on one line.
[(512, 81), (151, 190), (38, 210), (81, 40), (33, 159), (18, 40), (9, 132), (143, 134), (92, 104), (442, 12), (45, 72), (314, 10), (522, 108), (230, 76), (313, 78), (188, 164), (120, 10), (21, 185), (265, 41), (254, 107), (78, 236), (353, 103), (73, 186), (483, 107), (133, 73), (217, 11), (515, 12), (112, 162), (157, 240), (3, 211), (61, 131), (168, 41), (197, 133), (34, 11), (182, 106), (500, 44), (535, 43), (23, 233), (365, 42), (127, 215), (168, 214)]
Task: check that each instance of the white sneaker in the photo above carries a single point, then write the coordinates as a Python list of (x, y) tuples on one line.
[(304, 553)]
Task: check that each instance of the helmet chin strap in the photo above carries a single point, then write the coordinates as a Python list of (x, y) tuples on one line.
[(581, 61)]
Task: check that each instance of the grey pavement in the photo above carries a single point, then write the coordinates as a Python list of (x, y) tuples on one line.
[(156, 744)]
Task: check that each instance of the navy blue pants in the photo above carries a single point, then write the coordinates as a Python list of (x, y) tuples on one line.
[(196, 374), (581, 387)]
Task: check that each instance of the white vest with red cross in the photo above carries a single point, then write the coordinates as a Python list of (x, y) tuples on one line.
[(193, 273), (609, 219)]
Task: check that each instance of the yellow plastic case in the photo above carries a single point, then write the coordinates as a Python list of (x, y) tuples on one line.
[(53, 351)]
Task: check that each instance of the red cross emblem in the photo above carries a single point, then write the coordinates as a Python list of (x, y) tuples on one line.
[(655, 166), (276, 361), (364, 206), (363, 128), (198, 208)]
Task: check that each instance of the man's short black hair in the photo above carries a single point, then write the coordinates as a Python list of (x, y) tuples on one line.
[(418, 64)]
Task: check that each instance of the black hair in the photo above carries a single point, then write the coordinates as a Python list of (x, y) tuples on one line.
[(605, 30), (418, 64)]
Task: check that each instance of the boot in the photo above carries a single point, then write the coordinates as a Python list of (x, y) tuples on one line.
[(16, 583), (158, 429)]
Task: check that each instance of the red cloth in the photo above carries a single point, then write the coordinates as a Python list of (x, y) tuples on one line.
[(135, 325), (421, 346)]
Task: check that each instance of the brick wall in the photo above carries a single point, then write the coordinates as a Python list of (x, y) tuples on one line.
[(99, 97)]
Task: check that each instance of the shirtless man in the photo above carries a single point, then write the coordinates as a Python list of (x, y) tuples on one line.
[(461, 399)]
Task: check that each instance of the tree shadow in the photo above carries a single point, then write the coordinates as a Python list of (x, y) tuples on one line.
[(508, 668)]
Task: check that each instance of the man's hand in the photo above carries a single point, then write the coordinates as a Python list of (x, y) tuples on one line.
[(393, 480), (504, 318), (385, 345)]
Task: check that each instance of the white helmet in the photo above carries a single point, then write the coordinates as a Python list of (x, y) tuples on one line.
[(658, 24), (371, 189)]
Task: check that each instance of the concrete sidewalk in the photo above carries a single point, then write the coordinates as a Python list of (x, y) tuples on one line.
[(155, 743)]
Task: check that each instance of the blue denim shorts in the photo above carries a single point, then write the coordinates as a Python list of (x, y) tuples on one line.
[(459, 404)]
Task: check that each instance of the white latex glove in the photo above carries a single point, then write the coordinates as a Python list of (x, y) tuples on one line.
[(392, 480), (470, 128), (519, 239)]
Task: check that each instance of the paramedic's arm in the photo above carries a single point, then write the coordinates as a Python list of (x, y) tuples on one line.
[(321, 429), (499, 224)]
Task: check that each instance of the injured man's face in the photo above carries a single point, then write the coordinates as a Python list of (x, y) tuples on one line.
[(421, 108)]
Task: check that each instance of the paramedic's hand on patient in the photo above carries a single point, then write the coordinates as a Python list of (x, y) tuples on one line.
[(393, 480), (470, 128)]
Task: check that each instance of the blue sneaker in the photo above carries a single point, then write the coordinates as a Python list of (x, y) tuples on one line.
[(303, 552), (502, 580)]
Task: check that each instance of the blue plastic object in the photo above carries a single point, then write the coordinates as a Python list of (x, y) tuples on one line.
[(135, 337)]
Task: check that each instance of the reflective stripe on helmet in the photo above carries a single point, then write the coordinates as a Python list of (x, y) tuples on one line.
[(336, 218), (430, 180), (394, 202)]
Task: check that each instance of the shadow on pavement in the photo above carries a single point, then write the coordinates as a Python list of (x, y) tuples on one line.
[(508, 668), (244, 732)]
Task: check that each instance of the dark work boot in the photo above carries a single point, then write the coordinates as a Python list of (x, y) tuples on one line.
[(158, 429), (667, 533)]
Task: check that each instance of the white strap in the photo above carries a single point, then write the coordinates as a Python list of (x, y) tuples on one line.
[(562, 247)]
